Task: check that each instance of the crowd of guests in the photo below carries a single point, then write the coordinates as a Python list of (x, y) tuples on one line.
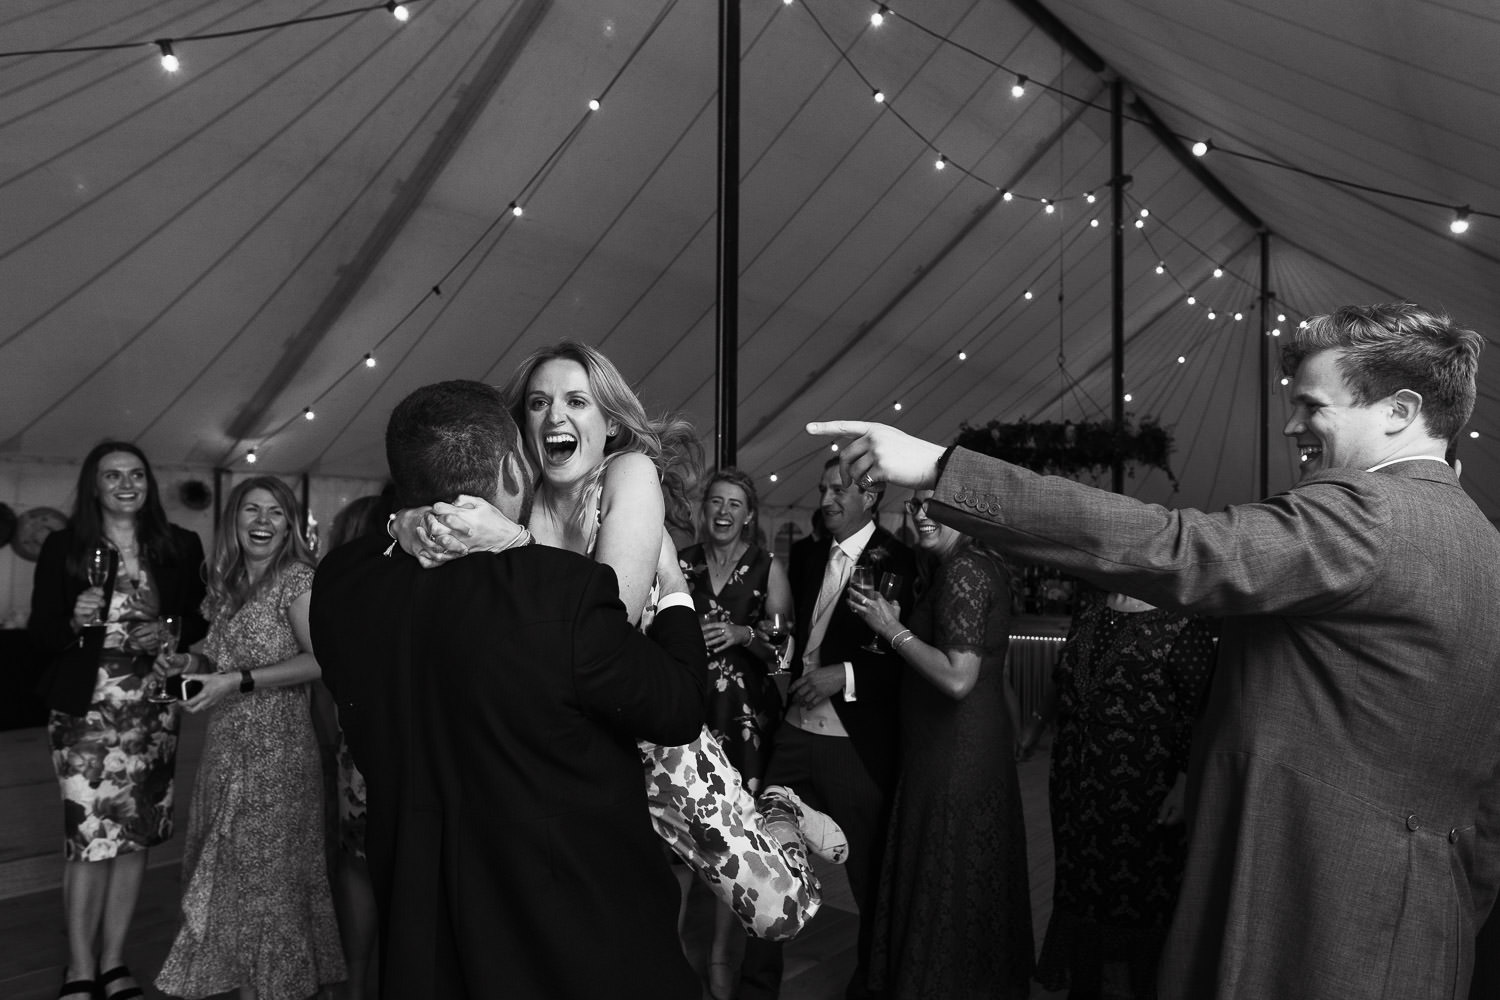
[(851, 701)]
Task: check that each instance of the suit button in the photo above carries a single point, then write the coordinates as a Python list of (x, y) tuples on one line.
[(1412, 823), (1453, 836)]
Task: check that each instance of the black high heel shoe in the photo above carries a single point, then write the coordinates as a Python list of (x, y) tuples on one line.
[(118, 972), (79, 988)]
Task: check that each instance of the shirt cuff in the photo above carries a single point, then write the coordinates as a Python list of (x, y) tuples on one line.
[(677, 600), (849, 694)]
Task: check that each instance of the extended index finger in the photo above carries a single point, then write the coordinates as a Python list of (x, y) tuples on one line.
[(838, 428)]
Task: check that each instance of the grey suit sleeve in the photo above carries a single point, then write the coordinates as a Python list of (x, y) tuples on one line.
[(646, 689), (1306, 551)]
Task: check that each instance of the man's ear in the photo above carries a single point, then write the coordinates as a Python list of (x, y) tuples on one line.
[(869, 498), (1402, 408)]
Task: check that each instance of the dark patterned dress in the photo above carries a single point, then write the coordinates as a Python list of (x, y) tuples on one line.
[(1129, 686), (115, 764), (744, 705), (954, 912), (256, 907)]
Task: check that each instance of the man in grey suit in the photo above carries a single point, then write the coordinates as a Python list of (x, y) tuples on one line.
[(1344, 793)]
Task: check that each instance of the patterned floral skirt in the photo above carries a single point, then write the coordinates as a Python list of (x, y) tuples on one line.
[(115, 767)]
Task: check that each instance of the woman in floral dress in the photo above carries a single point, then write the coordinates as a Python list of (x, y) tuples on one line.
[(116, 757), (736, 584), (257, 915)]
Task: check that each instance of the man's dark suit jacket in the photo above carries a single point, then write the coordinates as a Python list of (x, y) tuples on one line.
[(871, 718), (493, 706)]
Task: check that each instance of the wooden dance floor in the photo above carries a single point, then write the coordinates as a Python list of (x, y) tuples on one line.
[(818, 963)]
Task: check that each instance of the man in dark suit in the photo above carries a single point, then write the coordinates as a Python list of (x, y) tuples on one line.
[(838, 747), (1344, 794), (493, 705)]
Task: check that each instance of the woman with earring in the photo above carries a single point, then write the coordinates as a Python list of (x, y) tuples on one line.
[(114, 750), (257, 913), (735, 584)]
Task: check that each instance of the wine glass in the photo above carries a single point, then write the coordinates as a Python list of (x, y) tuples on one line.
[(777, 630), (169, 632), (98, 572), (890, 586)]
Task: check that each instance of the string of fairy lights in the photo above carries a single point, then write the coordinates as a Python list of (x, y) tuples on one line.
[(881, 18)]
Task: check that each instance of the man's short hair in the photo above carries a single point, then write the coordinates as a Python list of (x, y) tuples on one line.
[(1397, 346), (450, 438)]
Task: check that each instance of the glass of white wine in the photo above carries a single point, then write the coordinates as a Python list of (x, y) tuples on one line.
[(97, 572), (169, 632)]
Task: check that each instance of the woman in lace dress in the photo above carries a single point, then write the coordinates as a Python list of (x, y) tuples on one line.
[(257, 915), (954, 912)]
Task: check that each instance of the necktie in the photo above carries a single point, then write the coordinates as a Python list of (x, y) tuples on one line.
[(835, 578)]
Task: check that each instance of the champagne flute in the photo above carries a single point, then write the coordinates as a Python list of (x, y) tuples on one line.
[(777, 630), (890, 586), (169, 632), (97, 572), (862, 582)]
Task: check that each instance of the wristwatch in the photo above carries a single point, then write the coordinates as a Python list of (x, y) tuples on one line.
[(247, 682)]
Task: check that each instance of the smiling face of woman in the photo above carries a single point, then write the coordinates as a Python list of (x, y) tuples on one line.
[(565, 427), (261, 525), (726, 511), (120, 484), (939, 539)]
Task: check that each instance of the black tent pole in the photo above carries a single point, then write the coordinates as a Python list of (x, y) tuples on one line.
[(1117, 279), (726, 368), (1265, 363)]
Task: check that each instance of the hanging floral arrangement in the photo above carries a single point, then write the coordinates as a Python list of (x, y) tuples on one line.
[(1072, 449)]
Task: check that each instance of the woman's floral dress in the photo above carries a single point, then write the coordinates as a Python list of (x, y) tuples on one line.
[(744, 705), (256, 907), (115, 764)]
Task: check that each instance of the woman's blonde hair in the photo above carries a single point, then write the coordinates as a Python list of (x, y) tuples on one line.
[(229, 587), (668, 440)]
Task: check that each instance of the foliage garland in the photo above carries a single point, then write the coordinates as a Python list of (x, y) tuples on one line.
[(1069, 449)]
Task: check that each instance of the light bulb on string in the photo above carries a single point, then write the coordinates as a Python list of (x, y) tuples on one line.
[(1460, 223), (1145, 213), (1027, 296), (1281, 317), (1140, 223), (1473, 434), (1218, 272), (398, 10), (834, 446), (1201, 147), (1182, 359), (1192, 300), (369, 360), (1286, 381), (1128, 397), (1048, 207), (878, 18), (168, 57), (879, 97), (1161, 267), (1089, 197), (1093, 223), (1212, 314), (515, 209), (1018, 89), (897, 407), (250, 456), (773, 477), (1007, 196), (593, 104), (963, 356), (1276, 332), (307, 413), (942, 162), (1238, 316)]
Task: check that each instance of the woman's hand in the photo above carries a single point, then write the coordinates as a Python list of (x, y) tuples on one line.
[(472, 525), (883, 616), (86, 608), (170, 664), (216, 687), (1171, 810), (719, 636)]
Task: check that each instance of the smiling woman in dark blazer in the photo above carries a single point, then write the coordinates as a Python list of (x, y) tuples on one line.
[(113, 750)]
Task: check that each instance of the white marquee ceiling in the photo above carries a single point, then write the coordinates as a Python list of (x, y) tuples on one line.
[(190, 260)]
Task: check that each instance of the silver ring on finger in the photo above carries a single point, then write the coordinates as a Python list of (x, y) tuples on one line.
[(864, 482)]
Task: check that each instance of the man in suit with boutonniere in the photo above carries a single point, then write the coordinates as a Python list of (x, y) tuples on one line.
[(838, 747)]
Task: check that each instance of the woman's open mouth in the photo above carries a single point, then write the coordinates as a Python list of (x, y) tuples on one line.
[(559, 447)]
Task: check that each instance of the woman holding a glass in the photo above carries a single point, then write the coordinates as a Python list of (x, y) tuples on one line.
[(737, 585), (103, 587)]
